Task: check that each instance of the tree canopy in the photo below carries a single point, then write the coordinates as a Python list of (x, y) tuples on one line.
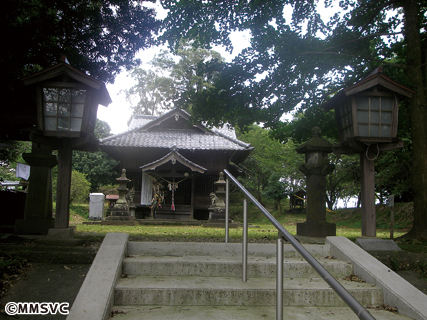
[(300, 62), (272, 168), (97, 167), (171, 80), (100, 37)]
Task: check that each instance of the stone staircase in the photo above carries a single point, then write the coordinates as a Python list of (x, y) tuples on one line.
[(204, 281)]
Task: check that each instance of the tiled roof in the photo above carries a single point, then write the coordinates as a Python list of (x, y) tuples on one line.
[(153, 134), (139, 121), (181, 139)]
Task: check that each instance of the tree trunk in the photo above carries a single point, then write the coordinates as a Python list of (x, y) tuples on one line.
[(279, 207), (418, 120)]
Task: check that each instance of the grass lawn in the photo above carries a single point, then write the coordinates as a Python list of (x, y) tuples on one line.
[(258, 231), (348, 225), (412, 256)]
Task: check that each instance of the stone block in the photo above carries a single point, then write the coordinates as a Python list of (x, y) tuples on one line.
[(33, 226), (317, 230), (67, 233), (374, 244)]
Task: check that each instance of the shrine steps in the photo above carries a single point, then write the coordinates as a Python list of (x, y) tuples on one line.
[(204, 281)]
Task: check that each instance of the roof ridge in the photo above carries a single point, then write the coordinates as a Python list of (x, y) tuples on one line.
[(116, 135), (239, 142)]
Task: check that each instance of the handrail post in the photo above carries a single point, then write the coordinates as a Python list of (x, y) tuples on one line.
[(245, 242), (227, 212), (279, 278), (354, 305)]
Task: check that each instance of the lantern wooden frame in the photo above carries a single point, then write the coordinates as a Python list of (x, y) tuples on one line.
[(63, 77)]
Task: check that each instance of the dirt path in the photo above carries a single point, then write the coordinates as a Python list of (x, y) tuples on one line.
[(46, 282)]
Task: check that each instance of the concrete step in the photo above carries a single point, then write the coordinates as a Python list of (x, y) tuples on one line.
[(220, 249), (230, 291), (241, 313), (217, 266)]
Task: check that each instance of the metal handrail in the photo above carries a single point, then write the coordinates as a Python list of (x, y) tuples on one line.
[(354, 305)]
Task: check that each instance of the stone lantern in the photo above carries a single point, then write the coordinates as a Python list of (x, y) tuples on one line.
[(367, 119), (220, 192), (121, 212), (217, 211), (316, 167), (66, 101)]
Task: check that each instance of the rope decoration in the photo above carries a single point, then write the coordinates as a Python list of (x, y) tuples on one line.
[(172, 187), (159, 197)]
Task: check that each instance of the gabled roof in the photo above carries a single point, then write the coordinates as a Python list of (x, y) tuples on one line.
[(174, 129), (173, 157)]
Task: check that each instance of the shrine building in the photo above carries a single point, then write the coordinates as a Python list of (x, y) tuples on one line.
[(175, 162)]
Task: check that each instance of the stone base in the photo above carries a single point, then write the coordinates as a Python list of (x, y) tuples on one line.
[(33, 226), (120, 218), (216, 214), (377, 244), (120, 214), (119, 223), (67, 233), (60, 237), (316, 230)]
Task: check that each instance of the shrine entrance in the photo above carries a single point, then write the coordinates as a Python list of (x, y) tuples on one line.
[(173, 186)]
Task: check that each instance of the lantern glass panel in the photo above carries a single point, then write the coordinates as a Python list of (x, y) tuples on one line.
[(77, 110), (386, 117), (362, 103), (63, 109), (50, 123), (63, 124), (76, 124), (64, 95), (78, 96), (385, 131), (387, 104), (363, 130), (374, 103), (374, 130), (50, 109), (50, 94), (374, 116), (363, 116)]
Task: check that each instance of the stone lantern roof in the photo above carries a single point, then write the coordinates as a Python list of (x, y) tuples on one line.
[(316, 143)]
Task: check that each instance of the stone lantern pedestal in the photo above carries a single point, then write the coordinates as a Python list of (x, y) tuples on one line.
[(121, 213), (316, 167), (38, 207)]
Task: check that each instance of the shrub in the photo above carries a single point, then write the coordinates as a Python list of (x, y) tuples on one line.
[(80, 187)]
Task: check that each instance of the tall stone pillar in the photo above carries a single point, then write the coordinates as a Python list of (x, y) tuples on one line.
[(38, 205), (316, 167)]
